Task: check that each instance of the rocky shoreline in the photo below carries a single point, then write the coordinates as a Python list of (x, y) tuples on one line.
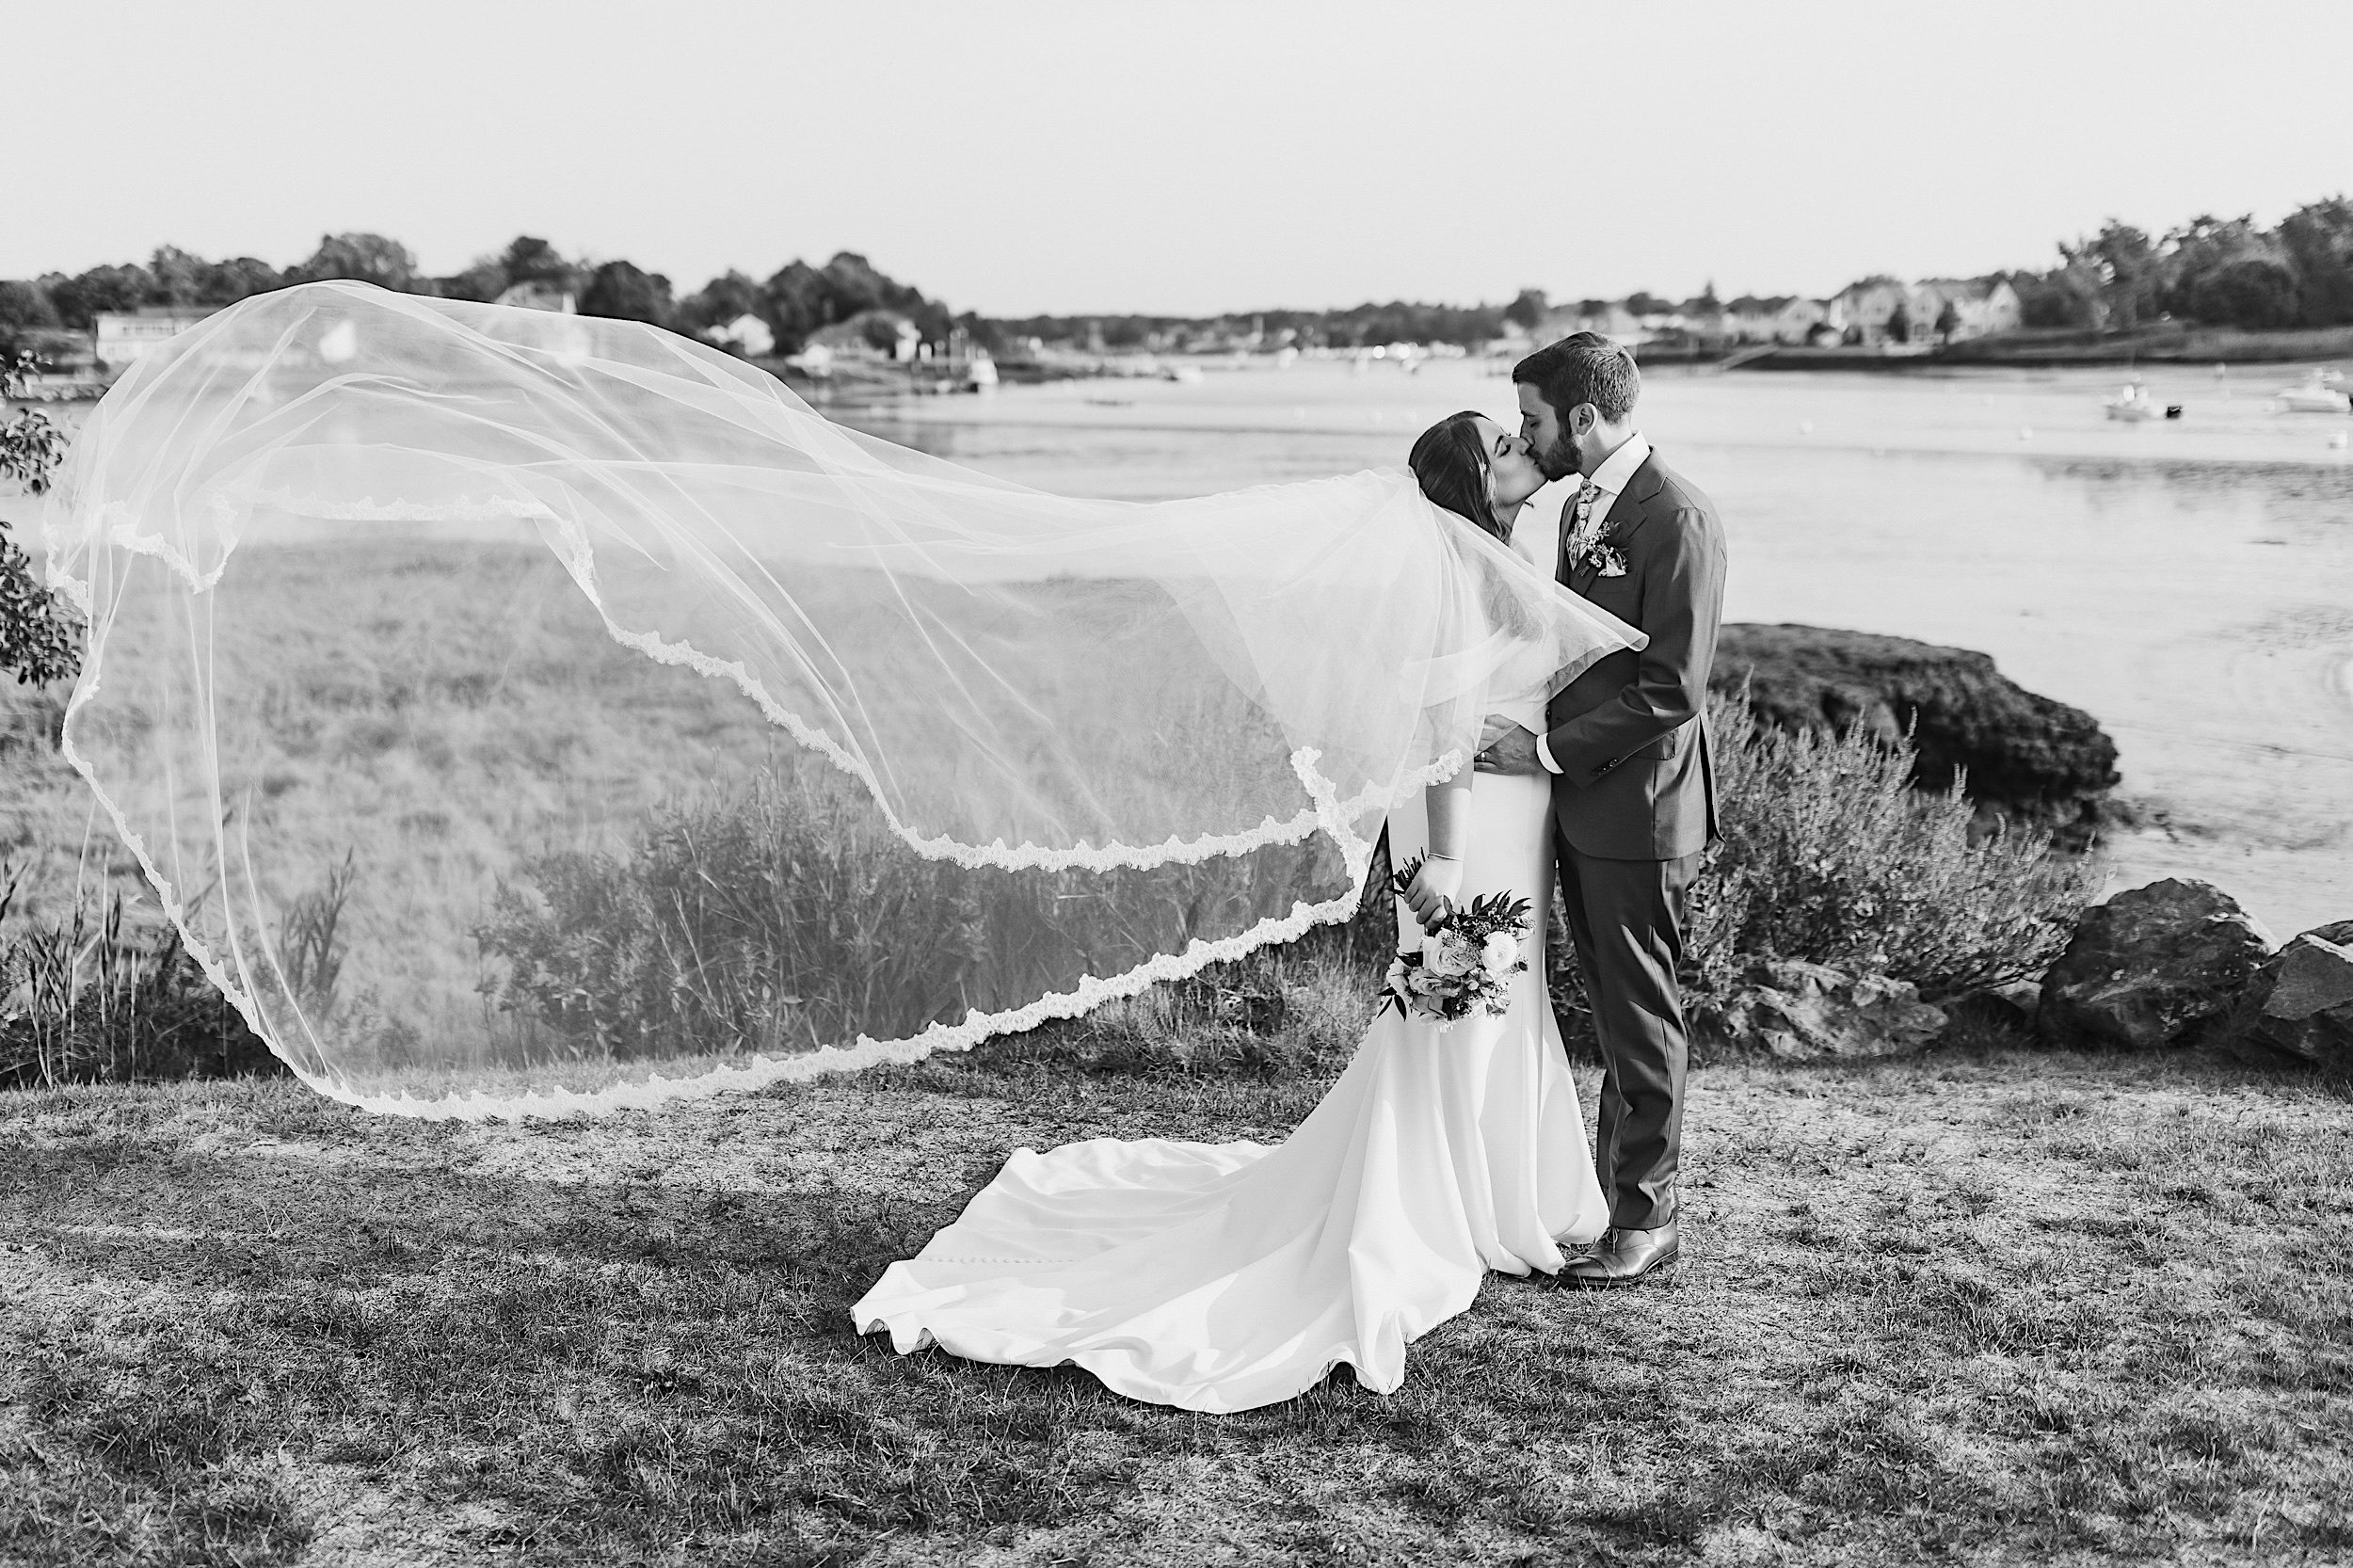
[(2176, 964), (2016, 753)]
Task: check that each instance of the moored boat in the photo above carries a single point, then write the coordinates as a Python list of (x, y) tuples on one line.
[(2318, 394)]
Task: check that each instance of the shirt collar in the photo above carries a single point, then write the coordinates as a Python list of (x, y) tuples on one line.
[(1618, 468)]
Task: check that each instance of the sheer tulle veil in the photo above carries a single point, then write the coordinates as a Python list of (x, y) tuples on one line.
[(523, 713)]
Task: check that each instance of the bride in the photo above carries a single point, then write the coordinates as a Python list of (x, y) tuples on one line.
[(1225, 1276)]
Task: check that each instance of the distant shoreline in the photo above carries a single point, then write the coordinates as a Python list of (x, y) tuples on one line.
[(2166, 344)]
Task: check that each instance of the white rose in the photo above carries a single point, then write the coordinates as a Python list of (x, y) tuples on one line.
[(1502, 952)]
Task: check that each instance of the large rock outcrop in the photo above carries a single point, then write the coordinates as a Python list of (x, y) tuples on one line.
[(2022, 753), (1800, 1012), (2301, 1002), (2154, 966)]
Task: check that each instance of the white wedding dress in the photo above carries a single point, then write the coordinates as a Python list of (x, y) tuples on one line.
[(1225, 1276)]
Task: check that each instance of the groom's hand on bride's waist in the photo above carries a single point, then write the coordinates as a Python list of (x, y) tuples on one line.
[(1505, 748)]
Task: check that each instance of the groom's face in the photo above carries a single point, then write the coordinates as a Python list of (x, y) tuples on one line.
[(1549, 441)]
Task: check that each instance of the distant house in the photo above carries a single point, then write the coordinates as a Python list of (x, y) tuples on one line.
[(747, 334), (121, 337), (538, 296), (1981, 306), (1749, 318), (871, 335), (1864, 312), (1799, 321), (1773, 318)]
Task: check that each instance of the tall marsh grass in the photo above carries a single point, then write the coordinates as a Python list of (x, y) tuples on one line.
[(780, 913), (94, 998)]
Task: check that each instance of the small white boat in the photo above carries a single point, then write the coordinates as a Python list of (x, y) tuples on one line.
[(2132, 404), (1188, 376), (2317, 395), (980, 374)]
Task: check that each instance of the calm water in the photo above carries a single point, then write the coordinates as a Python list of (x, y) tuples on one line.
[(2188, 582)]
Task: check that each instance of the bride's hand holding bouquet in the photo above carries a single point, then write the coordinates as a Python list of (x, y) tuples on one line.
[(1467, 953)]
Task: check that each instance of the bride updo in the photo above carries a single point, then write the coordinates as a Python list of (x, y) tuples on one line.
[(1449, 462)]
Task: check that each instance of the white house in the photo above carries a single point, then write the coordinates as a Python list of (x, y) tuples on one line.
[(1980, 306), (123, 336), (1798, 320), (747, 334), (858, 338), (1750, 319), (1867, 311), (1775, 318)]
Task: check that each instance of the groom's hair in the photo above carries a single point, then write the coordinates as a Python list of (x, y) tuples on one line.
[(1584, 367)]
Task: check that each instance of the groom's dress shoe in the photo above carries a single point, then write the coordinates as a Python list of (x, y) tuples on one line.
[(1627, 1257)]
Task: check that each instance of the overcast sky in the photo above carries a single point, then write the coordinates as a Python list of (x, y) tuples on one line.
[(1184, 156)]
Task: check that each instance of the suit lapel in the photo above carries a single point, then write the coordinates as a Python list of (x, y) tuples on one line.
[(1632, 508), (1629, 509)]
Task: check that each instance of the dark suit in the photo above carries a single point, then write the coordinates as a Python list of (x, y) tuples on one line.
[(1634, 807)]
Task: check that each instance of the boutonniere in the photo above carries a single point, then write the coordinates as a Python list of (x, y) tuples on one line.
[(1603, 556)]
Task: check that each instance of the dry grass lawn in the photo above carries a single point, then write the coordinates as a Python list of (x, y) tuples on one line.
[(1986, 1306)]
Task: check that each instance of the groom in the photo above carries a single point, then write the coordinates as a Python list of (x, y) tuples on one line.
[(1634, 786)]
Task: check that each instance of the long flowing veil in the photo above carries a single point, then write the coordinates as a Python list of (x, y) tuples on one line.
[(523, 713)]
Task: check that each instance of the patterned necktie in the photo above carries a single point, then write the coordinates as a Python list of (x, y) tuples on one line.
[(1586, 531)]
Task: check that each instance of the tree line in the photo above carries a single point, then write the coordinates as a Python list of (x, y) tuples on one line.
[(2224, 272), (794, 302), (2220, 272)]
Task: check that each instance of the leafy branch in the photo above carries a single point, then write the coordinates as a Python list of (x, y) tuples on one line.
[(38, 638)]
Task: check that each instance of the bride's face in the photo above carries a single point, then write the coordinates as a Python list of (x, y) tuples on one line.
[(1512, 475)]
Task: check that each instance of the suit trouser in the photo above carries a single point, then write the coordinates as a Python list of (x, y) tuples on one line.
[(1626, 918)]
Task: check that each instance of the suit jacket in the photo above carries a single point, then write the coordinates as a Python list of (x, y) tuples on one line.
[(1638, 773)]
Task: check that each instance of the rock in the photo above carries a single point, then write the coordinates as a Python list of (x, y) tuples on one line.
[(2013, 1006), (2154, 966), (2025, 754), (1802, 1012), (2301, 1003)]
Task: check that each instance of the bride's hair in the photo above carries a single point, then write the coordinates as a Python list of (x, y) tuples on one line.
[(1449, 462)]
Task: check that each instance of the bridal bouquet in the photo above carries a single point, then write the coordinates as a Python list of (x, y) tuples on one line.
[(1465, 961)]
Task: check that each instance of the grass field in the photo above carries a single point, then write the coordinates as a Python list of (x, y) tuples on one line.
[(1986, 1306)]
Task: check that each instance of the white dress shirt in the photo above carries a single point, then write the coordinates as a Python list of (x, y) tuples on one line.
[(1609, 480)]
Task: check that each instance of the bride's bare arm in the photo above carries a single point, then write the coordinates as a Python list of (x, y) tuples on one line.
[(1440, 880)]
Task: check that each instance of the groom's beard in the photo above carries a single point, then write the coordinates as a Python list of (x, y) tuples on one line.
[(1558, 460)]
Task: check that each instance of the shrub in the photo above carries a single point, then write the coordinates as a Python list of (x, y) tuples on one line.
[(1831, 856), (94, 1000)]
